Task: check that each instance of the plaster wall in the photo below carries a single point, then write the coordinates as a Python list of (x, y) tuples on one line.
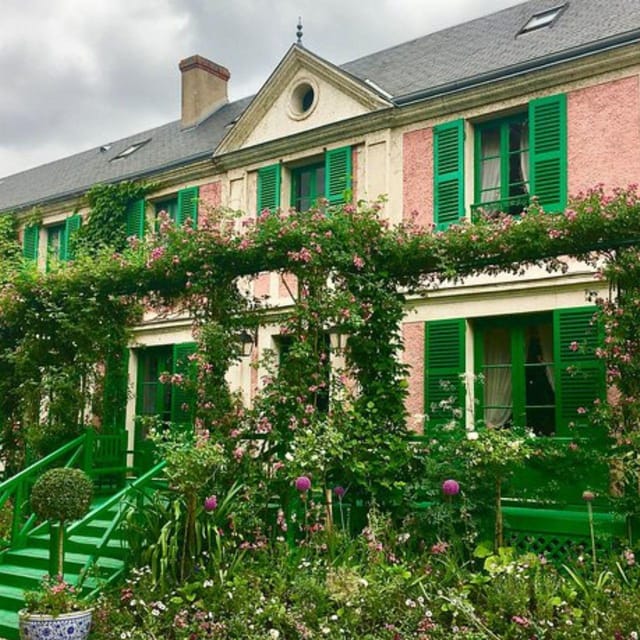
[(604, 135), (413, 356), (331, 105), (210, 198), (417, 176)]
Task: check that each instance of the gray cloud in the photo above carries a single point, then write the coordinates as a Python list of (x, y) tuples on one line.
[(76, 74)]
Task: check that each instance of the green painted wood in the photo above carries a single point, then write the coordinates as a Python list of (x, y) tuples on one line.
[(548, 151), (30, 241), (580, 375), (135, 218), (448, 162), (67, 246), (116, 392), (183, 398), (268, 188), (338, 175), (444, 388), (187, 206)]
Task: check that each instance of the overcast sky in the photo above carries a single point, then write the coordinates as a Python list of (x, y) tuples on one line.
[(75, 74)]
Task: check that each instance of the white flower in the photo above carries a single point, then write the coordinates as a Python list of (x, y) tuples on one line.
[(472, 435), (274, 633), (207, 583)]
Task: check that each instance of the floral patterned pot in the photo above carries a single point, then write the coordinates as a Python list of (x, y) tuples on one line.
[(70, 626)]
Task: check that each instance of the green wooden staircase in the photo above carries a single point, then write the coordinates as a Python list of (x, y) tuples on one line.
[(95, 547)]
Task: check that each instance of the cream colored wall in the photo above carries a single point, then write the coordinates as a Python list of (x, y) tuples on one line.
[(331, 105)]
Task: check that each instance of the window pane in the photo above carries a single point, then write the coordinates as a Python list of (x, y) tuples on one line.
[(170, 207), (498, 406), (540, 400), (490, 165)]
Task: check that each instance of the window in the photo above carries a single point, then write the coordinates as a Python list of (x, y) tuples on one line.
[(169, 206), (532, 370), (330, 179), (181, 207), (516, 157), (289, 351), (60, 241), (502, 164), (542, 19), (307, 186), (156, 395), (132, 148), (515, 360), (55, 243)]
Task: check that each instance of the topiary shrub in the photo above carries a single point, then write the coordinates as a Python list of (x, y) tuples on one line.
[(60, 495)]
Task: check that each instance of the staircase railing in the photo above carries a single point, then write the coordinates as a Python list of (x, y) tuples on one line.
[(100, 455), (119, 499), (18, 487)]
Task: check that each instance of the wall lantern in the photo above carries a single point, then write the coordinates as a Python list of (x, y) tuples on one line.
[(247, 342)]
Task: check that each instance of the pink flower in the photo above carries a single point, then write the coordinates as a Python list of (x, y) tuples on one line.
[(210, 503), (358, 262), (574, 346), (339, 492), (588, 496), (450, 488), (439, 548), (303, 484)]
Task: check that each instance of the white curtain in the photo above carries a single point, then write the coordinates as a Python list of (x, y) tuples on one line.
[(524, 154), (497, 381), (545, 335), (491, 166)]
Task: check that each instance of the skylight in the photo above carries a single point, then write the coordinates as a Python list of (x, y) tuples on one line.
[(131, 149), (542, 19)]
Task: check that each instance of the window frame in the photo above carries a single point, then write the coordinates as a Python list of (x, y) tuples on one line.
[(296, 174), (515, 203), (516, 327)]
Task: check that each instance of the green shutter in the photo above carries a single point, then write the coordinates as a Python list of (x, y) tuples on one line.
[(268, 188), (444, 388), (187, 206), (136, 218), (67, 247), (30, 240), (548, 151), (338, 175), (448, 173), (116, 392), (579, 373), (183, 397)]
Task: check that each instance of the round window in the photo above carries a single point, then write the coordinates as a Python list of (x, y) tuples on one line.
[(303, 100)]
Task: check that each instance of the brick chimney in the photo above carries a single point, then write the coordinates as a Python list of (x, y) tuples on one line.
[(204, 89)]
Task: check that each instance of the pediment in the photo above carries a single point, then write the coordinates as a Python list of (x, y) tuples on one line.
[(304, 92)]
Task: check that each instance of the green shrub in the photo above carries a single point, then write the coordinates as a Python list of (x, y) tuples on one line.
[(62, 494)]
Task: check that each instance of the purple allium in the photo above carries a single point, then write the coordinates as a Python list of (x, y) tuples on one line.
[(339, 492), (303, 484), (450, 488), (210, 503), (588, 496)]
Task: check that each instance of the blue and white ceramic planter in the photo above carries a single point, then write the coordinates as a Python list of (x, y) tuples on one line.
[(67, 626)]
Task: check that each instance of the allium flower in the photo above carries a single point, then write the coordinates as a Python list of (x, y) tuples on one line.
[(450, 488), (588, 496), (339, 492), (303, 484), (210, 503)]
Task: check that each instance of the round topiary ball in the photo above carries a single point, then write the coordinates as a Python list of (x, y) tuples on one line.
[(62, 494)]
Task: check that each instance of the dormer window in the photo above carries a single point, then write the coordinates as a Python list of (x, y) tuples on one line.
[(131, 149), (542, 19)]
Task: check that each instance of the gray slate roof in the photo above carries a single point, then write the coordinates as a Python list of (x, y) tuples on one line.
[(441, 61)]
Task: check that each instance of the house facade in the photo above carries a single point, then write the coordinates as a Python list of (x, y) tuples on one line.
[(539, 100)]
